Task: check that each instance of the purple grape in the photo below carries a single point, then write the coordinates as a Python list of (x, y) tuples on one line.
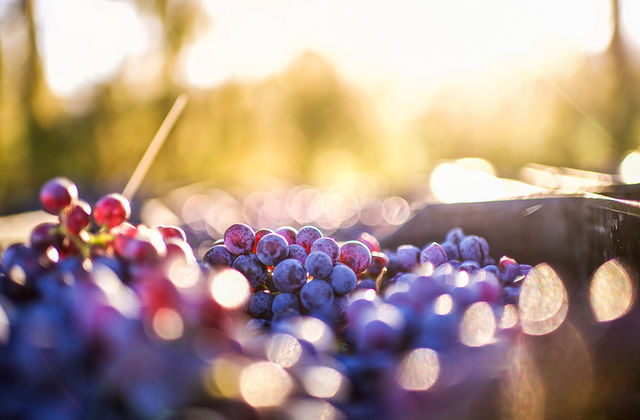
[(510, 295), (252, 268), (407, 257), (272, 249), (342, 279), (318, 265), (289, 276), (261, 233), (260, 305), (57, 194), (492, 269), (218, 256), (451, 249), (285, 302), (239, 238), (469, 266), (366, 284), (327, 245), (297, 252), (434, 254), (355, 255), (378, 335), (487, 290), (474, 248), (379, 261), (509, 270), (455, 236), (307, 236), (524, 269), (316, 295), (289, 233)]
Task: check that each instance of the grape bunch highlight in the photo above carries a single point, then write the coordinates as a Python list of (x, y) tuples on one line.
[(101, 318)]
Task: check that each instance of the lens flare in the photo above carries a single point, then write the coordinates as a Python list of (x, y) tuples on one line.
[(478, 325), (611, 292), (443, 304), (4, 326), (265, 384), (509, 317), (544, 303), (222, 378), (419, 370), (322, 382), (312, 409), (168, 324), (284, 350), (230, 289), (630, 168), (184, 275)]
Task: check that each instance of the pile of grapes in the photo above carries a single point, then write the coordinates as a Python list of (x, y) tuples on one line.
[(112, 320)]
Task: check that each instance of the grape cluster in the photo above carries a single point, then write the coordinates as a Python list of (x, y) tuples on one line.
[(292, 272), (113, 320)]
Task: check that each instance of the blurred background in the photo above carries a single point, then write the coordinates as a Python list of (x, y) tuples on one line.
[(365, 100)]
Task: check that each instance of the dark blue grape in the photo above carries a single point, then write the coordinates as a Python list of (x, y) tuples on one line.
[(289, 275), (342, 279), (451, 249), (218, 256), (272, 249), (316, 295), (285, 302), (252, 268), (434, 254), (366, 284), (407, 257), (318, 265), (260, 305), (509, 270), (455, 236), (474, 248), (524, 269)]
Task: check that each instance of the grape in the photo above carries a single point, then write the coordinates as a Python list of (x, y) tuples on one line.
[(42, 236), (451, 249), (260, 233), (524, 269), (260, 305), (272, 249), (218, 256), (327, 245), (342, 279), (370, 241), (455, 236), (57, 194), (239, 238), (434, 254), (297, 252), (379, 261), (172, 232), (252, 268), (509, 269), (289, 275), (469, 266), (307, 236), (355, 255), (318, 265), (285, 302), (366, 284), (474, 248), (289, 233), (111, 210), (76, 216), (316, 296), (407, 257)]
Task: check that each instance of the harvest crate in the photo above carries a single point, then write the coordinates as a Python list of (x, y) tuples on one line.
[(585, 368)]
